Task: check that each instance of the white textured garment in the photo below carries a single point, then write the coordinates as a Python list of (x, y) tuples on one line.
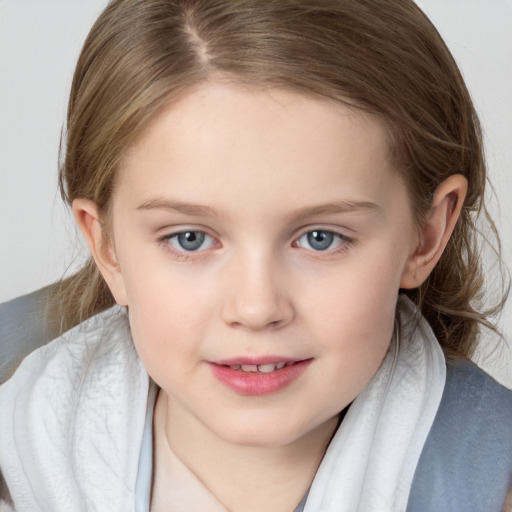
[(72, 419), (72, 422)]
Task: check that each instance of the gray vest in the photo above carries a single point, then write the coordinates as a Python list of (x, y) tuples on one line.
[(466, 463)]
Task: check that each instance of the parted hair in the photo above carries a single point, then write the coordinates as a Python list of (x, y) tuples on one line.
[(382, 56)]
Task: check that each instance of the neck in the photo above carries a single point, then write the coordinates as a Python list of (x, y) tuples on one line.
[(244, 478)]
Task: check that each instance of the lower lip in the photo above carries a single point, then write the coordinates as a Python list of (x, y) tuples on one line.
[(256, 383)]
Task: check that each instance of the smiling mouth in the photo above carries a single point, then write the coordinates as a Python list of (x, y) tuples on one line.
[(259, 368), (247, 377)]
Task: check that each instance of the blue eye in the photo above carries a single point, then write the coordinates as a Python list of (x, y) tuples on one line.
[(190, 241), (320, 240)]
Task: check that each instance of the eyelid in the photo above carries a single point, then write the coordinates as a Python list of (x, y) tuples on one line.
[(345, 241), (165, 241), (340, 231), (168, 231), (201, 239)]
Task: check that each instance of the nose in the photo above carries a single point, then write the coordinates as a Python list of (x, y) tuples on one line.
[(256, 297)]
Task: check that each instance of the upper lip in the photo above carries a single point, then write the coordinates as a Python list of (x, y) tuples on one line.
[(257, 360)]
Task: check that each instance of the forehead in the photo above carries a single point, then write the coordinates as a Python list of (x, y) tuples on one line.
[(222, 140)]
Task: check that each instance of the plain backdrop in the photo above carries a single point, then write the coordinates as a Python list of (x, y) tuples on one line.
[(39, 43)]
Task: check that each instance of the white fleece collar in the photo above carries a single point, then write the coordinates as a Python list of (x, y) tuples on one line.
[(72, 423), (73, 419)]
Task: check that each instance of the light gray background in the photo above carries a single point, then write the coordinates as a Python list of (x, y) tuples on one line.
[(39, 43)]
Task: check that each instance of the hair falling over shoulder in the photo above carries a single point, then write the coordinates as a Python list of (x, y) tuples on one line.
[(382, 56)]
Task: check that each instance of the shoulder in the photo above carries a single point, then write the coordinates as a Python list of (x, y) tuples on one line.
[(24, 327), (88, 342), (474, 408), (466, 463), (468, 381)]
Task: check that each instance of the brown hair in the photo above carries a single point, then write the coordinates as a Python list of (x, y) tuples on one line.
[(382, 56)]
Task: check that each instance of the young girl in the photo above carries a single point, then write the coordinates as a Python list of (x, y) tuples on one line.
[(280, 201)]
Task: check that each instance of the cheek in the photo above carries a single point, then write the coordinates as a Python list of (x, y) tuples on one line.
[(163, 339), (169, 313), (366, 286), (354, 316)]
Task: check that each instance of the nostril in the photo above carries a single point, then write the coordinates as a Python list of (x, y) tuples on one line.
[(256, 300), (253, 318)]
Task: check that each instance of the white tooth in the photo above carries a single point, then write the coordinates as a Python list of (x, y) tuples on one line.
[(266, 368), (249, 368), (235, 367), (280, 365)]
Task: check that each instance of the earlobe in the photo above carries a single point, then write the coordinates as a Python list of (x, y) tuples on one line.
[(435, 231), (87, 217)]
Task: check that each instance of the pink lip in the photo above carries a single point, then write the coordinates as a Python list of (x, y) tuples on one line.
[(256, 383)]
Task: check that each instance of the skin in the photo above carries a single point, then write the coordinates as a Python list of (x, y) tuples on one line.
[(256, 171)]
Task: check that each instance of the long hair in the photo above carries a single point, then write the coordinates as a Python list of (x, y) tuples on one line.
[(382, 56)]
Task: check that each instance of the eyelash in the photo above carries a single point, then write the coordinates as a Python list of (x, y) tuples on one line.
[(343, 243), (166, 242)]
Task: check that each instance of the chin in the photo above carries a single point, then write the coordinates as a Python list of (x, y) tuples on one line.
[(262, 439), (263, 433)]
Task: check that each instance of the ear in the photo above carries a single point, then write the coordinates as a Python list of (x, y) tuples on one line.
[(101, 247), (435, 230)]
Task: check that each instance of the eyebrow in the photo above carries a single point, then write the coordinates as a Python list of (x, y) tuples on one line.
[(183, 207), (198, 210), (337, 207)]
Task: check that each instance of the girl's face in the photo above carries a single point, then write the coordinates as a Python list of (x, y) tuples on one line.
[(254, 230)]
